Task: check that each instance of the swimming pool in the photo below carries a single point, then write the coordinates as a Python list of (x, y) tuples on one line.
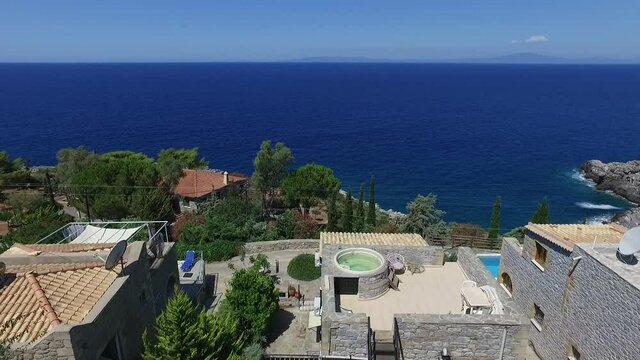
[(491, 262)]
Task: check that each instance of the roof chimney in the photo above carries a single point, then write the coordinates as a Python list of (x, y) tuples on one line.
[(225, 178)]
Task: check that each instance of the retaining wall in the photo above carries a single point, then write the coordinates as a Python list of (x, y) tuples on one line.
[(423, 336), (279, 245)]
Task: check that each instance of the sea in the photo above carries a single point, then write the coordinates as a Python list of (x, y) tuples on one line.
[(467, 133)]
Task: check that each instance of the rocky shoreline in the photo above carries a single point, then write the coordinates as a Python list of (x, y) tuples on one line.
[(622, 179)]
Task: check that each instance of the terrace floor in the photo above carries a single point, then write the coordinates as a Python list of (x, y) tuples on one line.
[(435, 291)]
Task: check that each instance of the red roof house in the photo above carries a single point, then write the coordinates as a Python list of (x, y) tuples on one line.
[(195, 184)]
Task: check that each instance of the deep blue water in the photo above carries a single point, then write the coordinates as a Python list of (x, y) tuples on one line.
[(465, 132), (492, 263)]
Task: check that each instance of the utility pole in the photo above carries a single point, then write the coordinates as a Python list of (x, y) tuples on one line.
[(47, 182), (86, 204)]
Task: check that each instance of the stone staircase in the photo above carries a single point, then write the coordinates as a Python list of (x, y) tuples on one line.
[(384, 348)]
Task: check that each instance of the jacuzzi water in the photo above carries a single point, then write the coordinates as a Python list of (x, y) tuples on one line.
[(357, 261)]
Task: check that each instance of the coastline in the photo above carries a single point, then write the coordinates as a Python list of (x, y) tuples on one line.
[(618, 179)]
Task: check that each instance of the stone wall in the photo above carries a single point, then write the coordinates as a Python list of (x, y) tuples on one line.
[(278, 245), (422, 255), (531, 285), (164, 277), (371, 287), (600, 312), (348, 334), (54, 345), (423, 336)]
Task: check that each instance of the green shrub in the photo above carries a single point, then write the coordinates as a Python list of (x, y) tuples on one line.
[(218, 250), (253, 299), (303, 267)]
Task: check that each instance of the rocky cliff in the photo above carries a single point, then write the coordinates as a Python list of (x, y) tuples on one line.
[(622, 179)]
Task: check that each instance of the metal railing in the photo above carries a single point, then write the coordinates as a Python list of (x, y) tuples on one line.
[(371, 341), (397, 344), (478, 242), (310, 357)]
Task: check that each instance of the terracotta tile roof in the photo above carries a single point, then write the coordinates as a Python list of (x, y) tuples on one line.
[(372, 239), (198, 183), (42, 298), (36, 249), (567, 235)]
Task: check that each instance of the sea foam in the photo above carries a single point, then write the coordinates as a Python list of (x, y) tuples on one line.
[(588, 205), (578, 175)]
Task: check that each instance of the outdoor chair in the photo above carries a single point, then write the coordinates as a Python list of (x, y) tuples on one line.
[(469, 283), (394, 281), (189, 260), (396, 261)]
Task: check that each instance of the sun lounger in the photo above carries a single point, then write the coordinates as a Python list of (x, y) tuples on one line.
[(189, 261)]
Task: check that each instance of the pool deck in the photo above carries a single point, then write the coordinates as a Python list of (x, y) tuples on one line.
[(435, 291)]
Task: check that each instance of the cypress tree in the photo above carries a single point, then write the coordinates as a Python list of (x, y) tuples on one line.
[(347, 216), (177, 331), (332, 214), (494, 224), (371, 216), (542, 213), (359, 220)]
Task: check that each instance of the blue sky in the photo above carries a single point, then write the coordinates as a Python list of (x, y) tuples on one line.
[(115, 30)]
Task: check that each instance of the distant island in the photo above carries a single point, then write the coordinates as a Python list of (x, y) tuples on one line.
[(517, 58)]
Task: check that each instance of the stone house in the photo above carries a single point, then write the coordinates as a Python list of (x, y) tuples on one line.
[(424, 318), (198, 186), (60, 302), (582, 302)]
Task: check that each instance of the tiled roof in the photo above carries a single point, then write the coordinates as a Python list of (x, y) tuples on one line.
[(567, 235), (48, 295), (198, 183), (340, 238), (36, 249)]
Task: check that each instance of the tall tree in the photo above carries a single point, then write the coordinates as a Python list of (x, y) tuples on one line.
[(115, 186), (309, 184), (347, 215), (72, 162), (171, 162), (271, 167), (332, 213), (14, 171), (424, 218), (184, 332), (494, 223), (371, 215), (359, 219), (541, 215)]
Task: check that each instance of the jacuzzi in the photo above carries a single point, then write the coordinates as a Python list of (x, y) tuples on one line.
[(368, 266)]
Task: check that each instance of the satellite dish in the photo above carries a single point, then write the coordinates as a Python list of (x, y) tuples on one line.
[(115, 255), (629, 245)]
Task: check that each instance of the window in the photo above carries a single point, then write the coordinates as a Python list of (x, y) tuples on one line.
[(505, 280), (540, 256), (574, 354), (538, 317)]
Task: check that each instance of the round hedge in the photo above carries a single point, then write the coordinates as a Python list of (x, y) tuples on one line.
[(303, 267)]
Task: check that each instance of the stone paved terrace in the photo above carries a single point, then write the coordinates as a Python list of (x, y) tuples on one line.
[(435, 291)]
